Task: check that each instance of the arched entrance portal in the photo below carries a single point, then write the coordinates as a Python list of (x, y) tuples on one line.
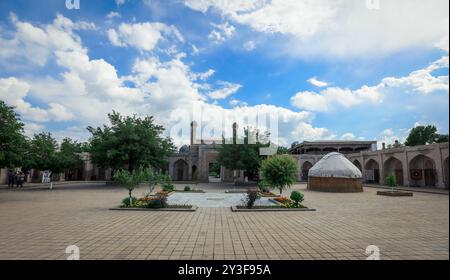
[(422, 171), (180, 170), (372, 172), (394, 165), (357, 164), (214, 172), (306, 166), (194, 172)]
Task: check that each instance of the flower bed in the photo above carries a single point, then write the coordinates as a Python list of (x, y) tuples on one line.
[(153, 202), (268, 194), (282, 200), (164, 193), (286, 202)]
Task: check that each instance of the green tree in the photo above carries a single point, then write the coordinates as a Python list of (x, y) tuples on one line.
[(442, 138), (279, 171), (283, 150), (422, 135), (242, 154), (13, 143), (155, 178), (43, 153), (129, 142), (130, 180), (69, 155)]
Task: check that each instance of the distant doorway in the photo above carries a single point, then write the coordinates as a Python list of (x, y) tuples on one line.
[(394, 166), (214, 172), (181, 170), (194, 174), (305, 170), (372, 172), (422, 171)]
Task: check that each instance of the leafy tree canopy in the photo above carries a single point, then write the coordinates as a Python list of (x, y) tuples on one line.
[(69, 155), (282, 150), (43, 152), (129, 142), (422, 135), (13, 143), (279, 171)]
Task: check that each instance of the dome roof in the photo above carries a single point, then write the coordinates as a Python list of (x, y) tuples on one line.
[(335, 165)]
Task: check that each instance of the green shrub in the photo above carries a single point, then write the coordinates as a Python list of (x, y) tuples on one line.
[(168, 187), (391, 181), (297, 197), (126, 201), (187, 189), (251, 198)]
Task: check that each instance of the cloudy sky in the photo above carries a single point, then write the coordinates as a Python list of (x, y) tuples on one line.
[(329, 69)]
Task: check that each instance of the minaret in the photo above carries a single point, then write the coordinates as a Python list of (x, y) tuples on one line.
[(235, 128), (193, 132)]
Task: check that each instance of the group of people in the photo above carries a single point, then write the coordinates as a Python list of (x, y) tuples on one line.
[(15, 178)]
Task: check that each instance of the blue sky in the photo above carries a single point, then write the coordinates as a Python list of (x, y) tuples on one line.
[(328, 69)]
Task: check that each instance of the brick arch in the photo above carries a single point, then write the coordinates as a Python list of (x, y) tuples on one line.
[(306, 166), (422, 171), (372, 171), (395, 166), (357, 164), (180, 170)]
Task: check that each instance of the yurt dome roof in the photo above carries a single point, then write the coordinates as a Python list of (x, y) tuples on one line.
[(335, 165)]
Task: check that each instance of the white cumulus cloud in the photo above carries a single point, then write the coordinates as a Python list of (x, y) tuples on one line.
[(313, 81), (143, 36), (339, 27)]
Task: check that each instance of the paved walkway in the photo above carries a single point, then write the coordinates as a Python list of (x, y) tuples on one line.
[(41, 223)]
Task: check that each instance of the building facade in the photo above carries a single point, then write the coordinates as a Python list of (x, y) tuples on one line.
[(87, 171), (418, 166), (195, 162)]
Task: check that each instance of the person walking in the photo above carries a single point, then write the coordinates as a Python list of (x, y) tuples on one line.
[(20, 177), (10, 178)]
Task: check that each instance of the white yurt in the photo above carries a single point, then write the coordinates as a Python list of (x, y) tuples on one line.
[(335, 173)]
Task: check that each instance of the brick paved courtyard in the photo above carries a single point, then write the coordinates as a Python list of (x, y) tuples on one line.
[(40, 224)]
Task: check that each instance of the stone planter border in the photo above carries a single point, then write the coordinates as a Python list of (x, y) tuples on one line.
[(394, 193), (193, 191), (168, 194), (192, 209), (274, 209)]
